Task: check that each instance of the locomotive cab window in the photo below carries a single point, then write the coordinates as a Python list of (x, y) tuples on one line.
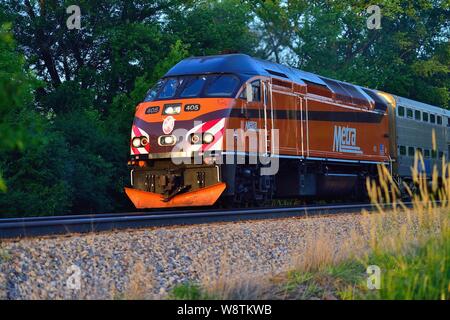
[(222, 86), (409, 113), (169, 89), (186, 86), (401, 111), (256, 91), (151, 94), (193, 87)]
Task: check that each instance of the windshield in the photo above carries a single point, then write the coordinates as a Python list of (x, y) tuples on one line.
[(223, 85), (193, 87)]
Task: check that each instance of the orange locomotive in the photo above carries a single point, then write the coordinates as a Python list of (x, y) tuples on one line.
[(319, 137)]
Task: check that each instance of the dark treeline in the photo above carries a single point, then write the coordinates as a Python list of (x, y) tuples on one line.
[(67, 97)]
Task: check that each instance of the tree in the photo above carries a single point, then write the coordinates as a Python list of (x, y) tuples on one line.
[(408, 56), (16, 85), (84, 71), (212, 27)]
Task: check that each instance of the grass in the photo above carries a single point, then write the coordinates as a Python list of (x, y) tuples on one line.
[(423, 272), (420, 273), (411, 247), (414, 264), (220, 290), (188, 291)]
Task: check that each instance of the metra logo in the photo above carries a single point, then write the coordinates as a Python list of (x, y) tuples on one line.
[(345, 140)]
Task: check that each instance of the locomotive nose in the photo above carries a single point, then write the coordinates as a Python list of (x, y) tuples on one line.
[(177, 130)]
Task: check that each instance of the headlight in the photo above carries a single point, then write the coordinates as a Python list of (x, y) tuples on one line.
[(195, 138), (167, 140), (208, 138), (171, 109), (144, 141), (138, 142)]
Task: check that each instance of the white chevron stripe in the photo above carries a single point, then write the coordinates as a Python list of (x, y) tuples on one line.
[(217, 145), (218, 126)]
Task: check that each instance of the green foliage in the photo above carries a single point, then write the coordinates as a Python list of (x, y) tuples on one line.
[(211, 27), (17, 123), (178, 51), (35, 179), (187, 291), (422, 273), (408, 56), (349, 271)]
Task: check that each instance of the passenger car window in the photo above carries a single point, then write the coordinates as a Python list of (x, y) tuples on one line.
[(402, 150), (427, 153), (417, 115), (439, 120), (411, 151), (223, 85), (409, 113), (401, 111), (432, 118), (425, 117)]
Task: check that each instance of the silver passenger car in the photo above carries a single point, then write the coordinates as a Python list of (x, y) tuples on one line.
[(415, 122)]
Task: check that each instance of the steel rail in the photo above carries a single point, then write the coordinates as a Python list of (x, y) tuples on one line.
[(52, 225)]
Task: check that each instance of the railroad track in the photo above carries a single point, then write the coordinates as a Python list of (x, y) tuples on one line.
[(43, 226)]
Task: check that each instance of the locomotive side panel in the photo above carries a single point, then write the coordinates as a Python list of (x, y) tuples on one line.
[(287, 120), (341, 132)]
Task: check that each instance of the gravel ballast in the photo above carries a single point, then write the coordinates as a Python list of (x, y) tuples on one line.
[(122, 263)]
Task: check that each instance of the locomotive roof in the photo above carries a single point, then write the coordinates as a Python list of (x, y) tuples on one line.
[(240, 64), (247, 66)]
